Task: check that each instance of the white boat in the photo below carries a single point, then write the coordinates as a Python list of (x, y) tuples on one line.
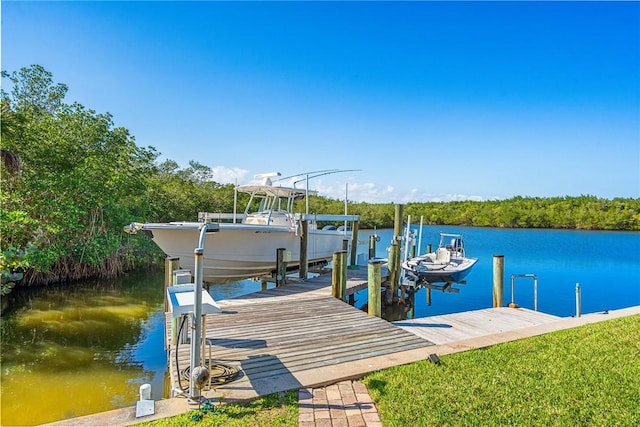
[(245, 245), (447, 264)]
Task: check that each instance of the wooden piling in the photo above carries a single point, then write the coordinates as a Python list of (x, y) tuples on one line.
[(394, 266), (354, 243), (339, 275), (170, 265), (372, 246), (281, 267), (374, 282), (335, 275), (304, 267), (392, 286), (498, 281), (343, 276)]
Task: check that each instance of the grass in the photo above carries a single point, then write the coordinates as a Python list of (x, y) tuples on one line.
[(583, 376), (279, 409)]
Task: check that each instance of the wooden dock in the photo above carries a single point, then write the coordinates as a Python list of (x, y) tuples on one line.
[(299, 336), (473, 324)]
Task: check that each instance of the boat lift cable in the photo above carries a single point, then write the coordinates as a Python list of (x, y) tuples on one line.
[(220, 373)]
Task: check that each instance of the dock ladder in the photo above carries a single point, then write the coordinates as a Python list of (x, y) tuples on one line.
[(535, 289)]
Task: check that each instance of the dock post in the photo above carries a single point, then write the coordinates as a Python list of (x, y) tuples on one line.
[(354, 243), (372, 246), (392, 285), (281, 268), (339, 275), (394, 265), (374, 282), (578, 300), (303, 268), (170, 264), (498, 281), (343, 275)]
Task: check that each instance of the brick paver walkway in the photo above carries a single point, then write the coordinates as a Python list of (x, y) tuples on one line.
[(345, 404)]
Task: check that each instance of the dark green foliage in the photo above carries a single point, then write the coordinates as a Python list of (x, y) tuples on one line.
[(81, 178)]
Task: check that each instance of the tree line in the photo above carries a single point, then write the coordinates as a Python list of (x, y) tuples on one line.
[(71, 179)]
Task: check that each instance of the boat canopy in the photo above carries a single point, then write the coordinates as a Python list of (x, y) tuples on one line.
[(273, 191)]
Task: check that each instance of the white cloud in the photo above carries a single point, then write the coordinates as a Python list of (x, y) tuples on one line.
[(356, 191), (225, 175), (372, 193)]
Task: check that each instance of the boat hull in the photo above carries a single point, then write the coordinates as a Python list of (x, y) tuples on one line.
[(453, 272), (242, 251)]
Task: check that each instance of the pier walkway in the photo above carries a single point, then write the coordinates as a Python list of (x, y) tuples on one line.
[(298, 337), (293, 337)]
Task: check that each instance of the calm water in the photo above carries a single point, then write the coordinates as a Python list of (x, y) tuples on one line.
[(605, 264), (86, 349)]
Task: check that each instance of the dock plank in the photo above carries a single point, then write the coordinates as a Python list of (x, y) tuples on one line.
[(274, 335), (460, 326), (298, 336)]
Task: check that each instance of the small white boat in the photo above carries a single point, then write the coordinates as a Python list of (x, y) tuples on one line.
[(243, 246), (447, 264)]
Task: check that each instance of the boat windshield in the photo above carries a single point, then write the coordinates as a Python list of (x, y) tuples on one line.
[(452, 242), (267, 198)]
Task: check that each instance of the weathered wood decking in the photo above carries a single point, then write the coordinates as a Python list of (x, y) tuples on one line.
[(299, 336), (472, 324), (292, 337)]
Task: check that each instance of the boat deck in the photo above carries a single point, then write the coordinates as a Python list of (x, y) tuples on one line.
[(299, 336)]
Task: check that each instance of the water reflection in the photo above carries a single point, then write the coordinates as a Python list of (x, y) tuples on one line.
[(81, 349), (72, 351)]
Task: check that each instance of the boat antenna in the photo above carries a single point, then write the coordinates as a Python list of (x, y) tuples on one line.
[(314, 174), (322, 173), (306, 173)]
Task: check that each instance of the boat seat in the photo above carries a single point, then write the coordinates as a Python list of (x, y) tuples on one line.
[(443, 256)]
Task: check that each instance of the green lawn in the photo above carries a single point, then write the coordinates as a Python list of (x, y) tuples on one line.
[(584, 376), (577, 377)]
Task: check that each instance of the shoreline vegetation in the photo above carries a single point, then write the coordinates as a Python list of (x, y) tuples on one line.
[(70, 180)]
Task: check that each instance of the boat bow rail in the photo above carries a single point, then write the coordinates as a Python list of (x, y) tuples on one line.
[(134, 227), (328, 217), (225, 217)]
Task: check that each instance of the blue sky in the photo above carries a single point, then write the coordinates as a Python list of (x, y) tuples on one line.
[(429, 100)]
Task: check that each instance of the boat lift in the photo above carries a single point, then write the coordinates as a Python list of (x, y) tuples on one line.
[(191, 298)]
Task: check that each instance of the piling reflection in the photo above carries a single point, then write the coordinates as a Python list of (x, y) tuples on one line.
[(74, 351), (402, 309)]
